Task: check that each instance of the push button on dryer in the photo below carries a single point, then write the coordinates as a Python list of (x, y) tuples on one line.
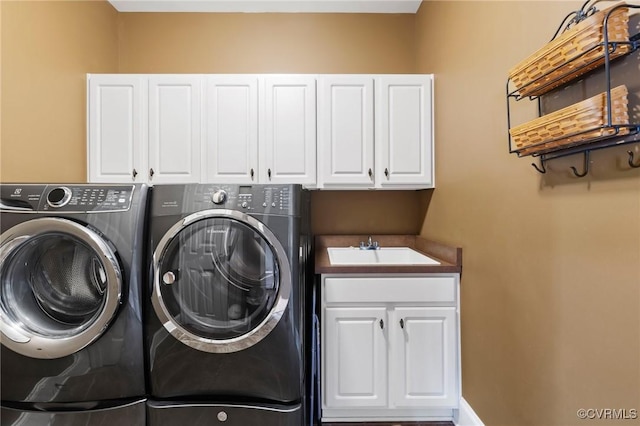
[(169, 278)]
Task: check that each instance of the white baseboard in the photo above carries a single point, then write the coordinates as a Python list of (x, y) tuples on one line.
[(466, 416)]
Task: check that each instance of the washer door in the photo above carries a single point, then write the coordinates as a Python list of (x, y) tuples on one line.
[(61, 287), (222, 281)]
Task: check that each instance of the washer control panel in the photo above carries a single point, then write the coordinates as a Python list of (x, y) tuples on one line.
[(87, 198), (66, 198)]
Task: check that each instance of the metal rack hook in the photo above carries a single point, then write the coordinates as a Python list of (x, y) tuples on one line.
[(585, 168), (576, 16), (542, 169), (631, 163)]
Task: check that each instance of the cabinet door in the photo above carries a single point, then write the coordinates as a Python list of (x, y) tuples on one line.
[(345, 131), (116, 140), (355, 357), (423, 357), (288, 130), (231, 147), (404, 131), (174, 128)]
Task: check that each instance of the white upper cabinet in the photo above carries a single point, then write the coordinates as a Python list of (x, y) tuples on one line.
[(231, 115), (144, 128), (288, 129), (404, 131), (345, 131), (398, 154), (353, 132), (175, 111), (116, 152)]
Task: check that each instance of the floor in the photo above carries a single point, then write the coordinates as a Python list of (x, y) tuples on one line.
[(391, 424)]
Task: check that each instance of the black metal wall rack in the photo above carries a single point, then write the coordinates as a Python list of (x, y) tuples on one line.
[(612, 132)]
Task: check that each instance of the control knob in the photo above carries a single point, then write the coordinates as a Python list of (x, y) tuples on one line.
[(59, 197), (219, 197)]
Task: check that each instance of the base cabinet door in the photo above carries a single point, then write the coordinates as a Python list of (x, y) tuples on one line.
[(355, 373), (423, 353)]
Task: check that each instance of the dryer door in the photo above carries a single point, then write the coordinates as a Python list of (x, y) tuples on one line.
[(222, 281), (61, 287)]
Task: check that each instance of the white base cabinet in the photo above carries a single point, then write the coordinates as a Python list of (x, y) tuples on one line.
[(390, 347)]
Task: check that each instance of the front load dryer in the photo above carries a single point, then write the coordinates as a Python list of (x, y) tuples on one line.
[(71, 319), (225, 325)]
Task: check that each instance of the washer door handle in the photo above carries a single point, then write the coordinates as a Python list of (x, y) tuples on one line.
[(12, 334)]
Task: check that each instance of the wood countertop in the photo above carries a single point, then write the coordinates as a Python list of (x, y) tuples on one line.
[(450, 258)]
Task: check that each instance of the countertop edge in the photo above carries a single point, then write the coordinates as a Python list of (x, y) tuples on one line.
[(449, 257)]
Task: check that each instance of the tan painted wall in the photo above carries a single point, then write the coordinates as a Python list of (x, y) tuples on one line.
[(551, 281), (286, 43), (53, 45), (47, 48), (266, 43)]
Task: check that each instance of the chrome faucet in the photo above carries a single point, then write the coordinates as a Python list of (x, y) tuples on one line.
[(370, 245)]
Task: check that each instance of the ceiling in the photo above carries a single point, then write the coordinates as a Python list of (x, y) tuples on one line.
[(265, 6)]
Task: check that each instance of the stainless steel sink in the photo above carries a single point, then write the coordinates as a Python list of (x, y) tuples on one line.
[(381, 256)]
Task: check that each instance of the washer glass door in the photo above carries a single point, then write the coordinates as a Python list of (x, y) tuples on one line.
[(222, 281), (61, 286)]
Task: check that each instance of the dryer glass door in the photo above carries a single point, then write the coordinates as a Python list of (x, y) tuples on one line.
[(222, 281), (61, 286)]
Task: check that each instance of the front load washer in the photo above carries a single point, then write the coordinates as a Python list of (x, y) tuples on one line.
[(71, 310), (226, 323)]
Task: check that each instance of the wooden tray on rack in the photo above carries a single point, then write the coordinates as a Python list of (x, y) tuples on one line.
[(575, 52), (574, 125)]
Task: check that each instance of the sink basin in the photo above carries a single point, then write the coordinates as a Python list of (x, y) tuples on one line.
[(382, 256)]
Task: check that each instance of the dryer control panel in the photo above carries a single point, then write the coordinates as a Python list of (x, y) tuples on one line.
[(250, 199), (265, 199)]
